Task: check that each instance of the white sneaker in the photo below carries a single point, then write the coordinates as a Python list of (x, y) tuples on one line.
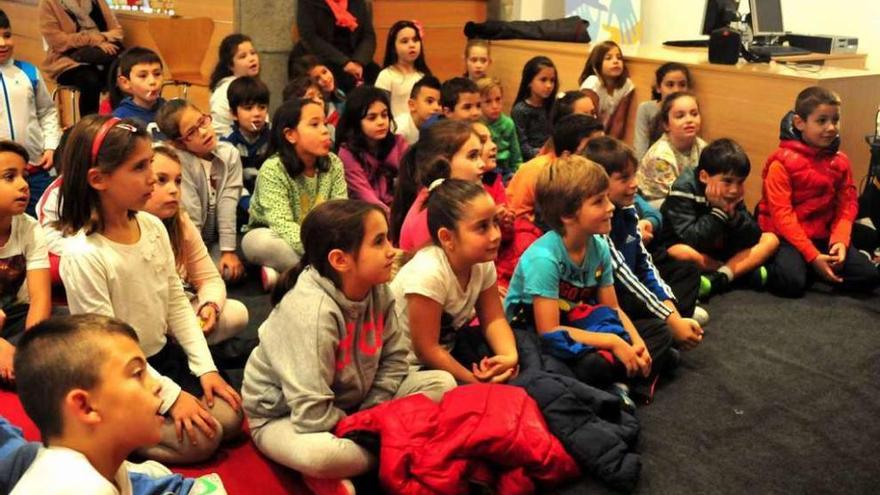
[(269, 277), (701, 315)]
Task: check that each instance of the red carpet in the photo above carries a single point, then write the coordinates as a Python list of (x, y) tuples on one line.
[(241, 467)]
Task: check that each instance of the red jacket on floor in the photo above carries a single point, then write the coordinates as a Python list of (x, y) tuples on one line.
[(808, 194), (490, 433)]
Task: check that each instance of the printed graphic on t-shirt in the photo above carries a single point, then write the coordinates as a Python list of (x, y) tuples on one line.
[(12, 274), (369, 341)]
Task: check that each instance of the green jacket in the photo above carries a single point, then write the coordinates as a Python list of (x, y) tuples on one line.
[(509, 155)]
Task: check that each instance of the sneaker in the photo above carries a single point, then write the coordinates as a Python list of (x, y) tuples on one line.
[(621, 390), (701, 316), (269, 277), (758, 278), (711, 284), (329, 486)]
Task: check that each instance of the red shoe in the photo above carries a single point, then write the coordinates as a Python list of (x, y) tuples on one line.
[(329, 486)]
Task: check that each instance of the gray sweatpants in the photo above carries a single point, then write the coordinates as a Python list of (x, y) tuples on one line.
[(262, 246), (323, 455)]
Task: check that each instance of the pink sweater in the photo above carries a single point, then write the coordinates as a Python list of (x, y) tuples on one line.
[(414, 233)]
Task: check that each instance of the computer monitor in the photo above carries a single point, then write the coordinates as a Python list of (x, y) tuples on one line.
[(766, 17), (719, 14)]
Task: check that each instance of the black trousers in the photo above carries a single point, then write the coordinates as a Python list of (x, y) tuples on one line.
[(789, 274), (683, 277), (90, 80), (594, 368), (16, 318)]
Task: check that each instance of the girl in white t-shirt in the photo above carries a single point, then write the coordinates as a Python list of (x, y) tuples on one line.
[(24, 259), (120, 264), (236, 57), (404, 65), (445, 285), (607, 75)]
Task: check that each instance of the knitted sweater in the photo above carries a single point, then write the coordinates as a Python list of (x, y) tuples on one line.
[(281, 202), (532, 128)]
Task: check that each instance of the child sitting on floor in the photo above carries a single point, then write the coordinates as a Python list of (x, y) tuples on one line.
[(706, 221), (86, 384), (809, 201), (563, 286), (25, 297), (212, 181), (404, 64), (502, 127), (368, 147), (120, 263), (641, 291), (249, 104), (140, 79), (460, 99), (236, 57), (605, 72), (533, 103), (219, 317), (676, 150), (311, 67), (424, 102), (332, 345), (300, 175), (442, 289)]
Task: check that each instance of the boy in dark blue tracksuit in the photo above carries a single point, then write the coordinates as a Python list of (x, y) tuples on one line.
[(640, 288)]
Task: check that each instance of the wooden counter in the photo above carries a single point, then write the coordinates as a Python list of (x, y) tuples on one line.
[(744, 101)]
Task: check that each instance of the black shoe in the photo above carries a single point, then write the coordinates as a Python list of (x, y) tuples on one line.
[(713, 283)]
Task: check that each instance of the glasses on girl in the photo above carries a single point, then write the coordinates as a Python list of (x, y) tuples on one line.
[(203, 122)]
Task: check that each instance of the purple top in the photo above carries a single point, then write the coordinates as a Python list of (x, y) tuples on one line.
[(365, 178)]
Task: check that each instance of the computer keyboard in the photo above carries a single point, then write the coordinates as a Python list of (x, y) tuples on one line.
[(777, 50), (688, 43)]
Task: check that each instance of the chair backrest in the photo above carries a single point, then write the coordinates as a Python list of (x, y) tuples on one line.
[(183, 43)]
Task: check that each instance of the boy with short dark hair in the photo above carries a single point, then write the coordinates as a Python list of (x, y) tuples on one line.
[(640, 288), (424, 102), (140, 77), (249, 104), (809, 200), (563, 286), (84, 382), (31, 117), (460, 99), (707, 223)]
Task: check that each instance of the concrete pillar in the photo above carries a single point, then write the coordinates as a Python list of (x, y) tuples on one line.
[(268, 23)]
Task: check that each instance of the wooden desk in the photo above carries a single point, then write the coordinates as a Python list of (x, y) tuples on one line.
[(744, 101)]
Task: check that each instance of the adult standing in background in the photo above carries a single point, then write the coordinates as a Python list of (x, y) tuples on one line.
[(340, 33), (83, 38)]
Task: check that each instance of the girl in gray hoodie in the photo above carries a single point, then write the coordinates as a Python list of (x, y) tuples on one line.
[(331, 346)]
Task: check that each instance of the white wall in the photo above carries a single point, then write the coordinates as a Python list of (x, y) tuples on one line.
[(681, 19)]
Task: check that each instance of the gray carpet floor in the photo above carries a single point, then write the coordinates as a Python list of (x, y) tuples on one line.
[(783, 396)]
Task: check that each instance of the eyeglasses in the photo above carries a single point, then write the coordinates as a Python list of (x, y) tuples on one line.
[(203, 122)]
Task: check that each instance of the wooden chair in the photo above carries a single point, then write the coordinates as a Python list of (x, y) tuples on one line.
[(182, 43), (72, 94)]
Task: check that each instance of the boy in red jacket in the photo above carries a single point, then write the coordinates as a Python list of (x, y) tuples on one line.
[(809, 201)]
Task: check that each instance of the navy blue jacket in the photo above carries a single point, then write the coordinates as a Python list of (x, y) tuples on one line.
[(634, 271), (252, 153)]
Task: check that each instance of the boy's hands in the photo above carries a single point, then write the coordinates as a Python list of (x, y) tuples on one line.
[(646, 229), (213, 385), (838, 253), (208, 318), (188, 413), (634, 357), (496, 369), (231, 268), (716, 198), (823, 264), (46, 159), (644, 357), (687, 333), (7, 354)]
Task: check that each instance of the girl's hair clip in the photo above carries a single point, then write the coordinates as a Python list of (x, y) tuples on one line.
[(420, 28), (111, 123), (435, 184)]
